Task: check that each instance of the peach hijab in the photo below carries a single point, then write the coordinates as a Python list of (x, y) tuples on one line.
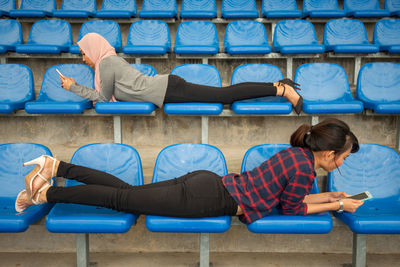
[(96, 47)]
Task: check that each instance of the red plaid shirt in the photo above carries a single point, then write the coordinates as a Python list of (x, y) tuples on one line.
[(280, 182)]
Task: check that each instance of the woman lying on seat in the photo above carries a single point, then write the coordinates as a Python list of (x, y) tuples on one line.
[(116, 80), (283, 181)]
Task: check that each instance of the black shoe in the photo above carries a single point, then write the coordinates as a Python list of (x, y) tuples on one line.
[(290, 83), (299, 106)]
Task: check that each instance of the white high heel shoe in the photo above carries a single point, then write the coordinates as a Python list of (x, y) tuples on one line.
[(38, 161)]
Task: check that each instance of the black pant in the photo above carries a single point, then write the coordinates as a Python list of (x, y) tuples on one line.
[(179, 90), (196, 194)]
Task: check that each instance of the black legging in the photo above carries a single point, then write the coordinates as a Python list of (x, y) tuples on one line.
[(195, 195), (179, 91)]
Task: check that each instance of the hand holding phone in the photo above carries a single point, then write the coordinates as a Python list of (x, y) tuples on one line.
[(362, 196)]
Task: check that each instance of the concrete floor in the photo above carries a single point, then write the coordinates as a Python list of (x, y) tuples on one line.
[(190, 259)]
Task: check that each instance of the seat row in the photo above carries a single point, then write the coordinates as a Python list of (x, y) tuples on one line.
[(201, 37), (199, 9), (361, 171), (324, 87)]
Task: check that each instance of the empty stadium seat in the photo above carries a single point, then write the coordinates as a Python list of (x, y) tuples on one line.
[(246, 37), (53, 99), (148, 37), (109, 29), (262, 105), (322, 9), (239, 9), (347, 36), (12, 176), (16, 87), (10, 35), (198, 9), (364, 8), (35, 9), (47, 37), (76, 9), (296, 37), (117, 9), (196, 37), (393, 6), (280, 9), (159, 9), (275, 223), (378, 87), (199, 74), (129, 107), (387, 35), (325, 89), (6, 6)]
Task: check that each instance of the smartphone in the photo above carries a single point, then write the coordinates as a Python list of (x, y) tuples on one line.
[(60, 73), (362, 196)]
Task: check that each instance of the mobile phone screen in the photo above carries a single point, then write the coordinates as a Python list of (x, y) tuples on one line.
[(360, 196)]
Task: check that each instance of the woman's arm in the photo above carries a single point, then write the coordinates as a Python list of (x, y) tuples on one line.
[(349, 205), (324, 197)]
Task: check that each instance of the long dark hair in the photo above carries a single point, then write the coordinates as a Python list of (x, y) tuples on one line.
[(330, 134)]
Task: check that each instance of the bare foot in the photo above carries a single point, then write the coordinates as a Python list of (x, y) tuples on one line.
[(291, 95), (23, 200)]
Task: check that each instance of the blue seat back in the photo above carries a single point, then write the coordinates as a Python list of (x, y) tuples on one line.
[(177, 160), (10, 32), (107, 28), (149, 32), (256, 73), (83, 5), (392, 5), (387, 32), (245, 33), (313, 5), (145, 69), (276, 5), (7, 5), (16, 83), (199, 33), (345, 31), (43, 5), (51, 32), (239, 9), (51, 89), (120, 160), (323, 82), (119, 5), (199, 73), (356, 5), (294, 32), (378, 82), (157, 8), (199, 9)]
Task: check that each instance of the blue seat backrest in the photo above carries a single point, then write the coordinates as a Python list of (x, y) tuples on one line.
[(16, 83), (392, 5), (149, 32), (45, 5), (345, 31), (107, 28), (198, 73), (197, 33), (51, 32), (155, 6), (379, 82), (350, 5), (177, 160), (7, 5), (256, 73), (84, 5), (239, 8), (199, 8), (119, 5), (120, 160), (51, 89), (323, 82), (145, 69), (311, 5), (294, 32), (12, 172), (387, 32), (10, 32), (245, 32), (272, 5)]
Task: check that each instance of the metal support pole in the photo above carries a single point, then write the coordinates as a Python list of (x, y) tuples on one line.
[(3, 60), (82, 250), (204, 249), (273, 25), (398, 134), (359, 250), (204, 60), (204, 129), (357, 66), (289, 67), (117, 129), (314, 120), (138, 60)]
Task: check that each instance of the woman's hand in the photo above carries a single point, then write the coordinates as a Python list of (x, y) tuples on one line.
[(335, 196), (66, 82), (351, 205)]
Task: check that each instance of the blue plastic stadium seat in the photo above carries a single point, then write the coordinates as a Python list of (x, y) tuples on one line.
[(10, 35), (393, 6), (322, 9), (107, 28), (120, 160), (246, 37), (262, 105), (280, 9), (35, 9), (374, 168), (199, 74), (117, 9), (148, 37), (16, 87), (47, 37), (378, 87), (276, 223), (6, 6), (76, 9), (53, 99), (206, 9), (347, 36), (239, 9), (296, 37), (364, 8), (12, 176), (325, 89), (196, 37), (129, 107), (387, 35), (177, 160), (159, 9)]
